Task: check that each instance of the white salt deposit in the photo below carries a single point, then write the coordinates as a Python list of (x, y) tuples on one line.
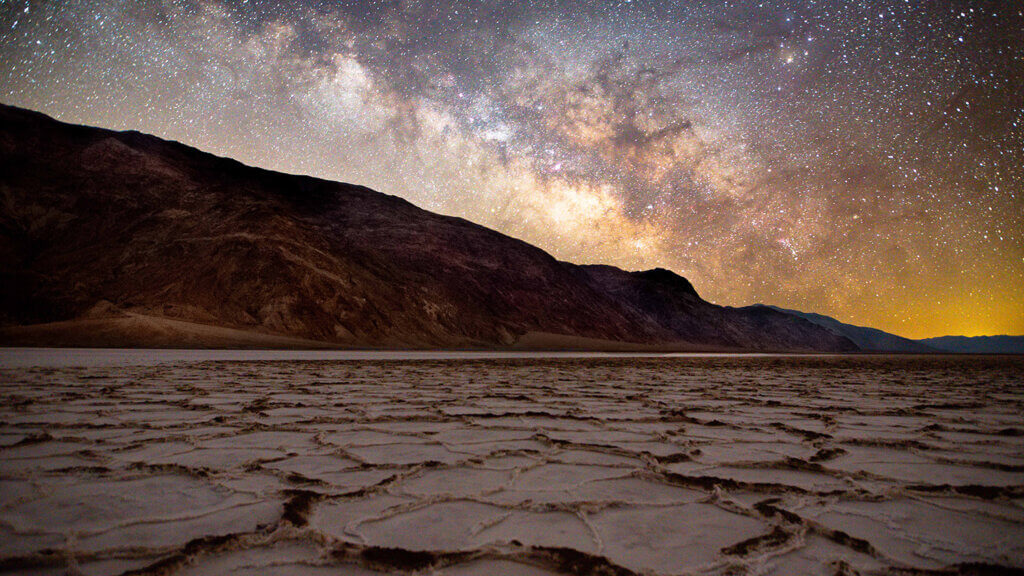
[(281, 463)]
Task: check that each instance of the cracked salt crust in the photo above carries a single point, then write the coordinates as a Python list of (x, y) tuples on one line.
[(513, 467)]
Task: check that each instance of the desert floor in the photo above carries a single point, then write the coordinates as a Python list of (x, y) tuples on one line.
[(285, 463)]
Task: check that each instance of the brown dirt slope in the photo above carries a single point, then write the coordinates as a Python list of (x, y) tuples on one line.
[(98, 224)]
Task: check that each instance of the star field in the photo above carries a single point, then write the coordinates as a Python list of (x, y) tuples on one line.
[(863, 160)]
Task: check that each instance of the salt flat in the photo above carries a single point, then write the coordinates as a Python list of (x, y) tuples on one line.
[(265, 463)]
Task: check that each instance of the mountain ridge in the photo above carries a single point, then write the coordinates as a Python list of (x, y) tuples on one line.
[(159, 229), (866, 338), (998, 344), (874, 340)]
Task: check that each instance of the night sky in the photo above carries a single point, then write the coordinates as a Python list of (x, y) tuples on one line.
[(859, 159)]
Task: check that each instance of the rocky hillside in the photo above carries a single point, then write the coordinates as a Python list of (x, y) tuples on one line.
[(867, 339), (670, 301), (99, 226), (977, 344)]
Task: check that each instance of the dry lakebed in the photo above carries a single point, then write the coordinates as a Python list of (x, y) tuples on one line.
[(289, 463)]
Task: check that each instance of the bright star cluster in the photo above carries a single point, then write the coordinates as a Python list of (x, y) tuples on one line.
[(862, 159)]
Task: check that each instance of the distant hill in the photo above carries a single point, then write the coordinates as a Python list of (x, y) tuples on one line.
[(868, 339), (123, 239), (977, 344)]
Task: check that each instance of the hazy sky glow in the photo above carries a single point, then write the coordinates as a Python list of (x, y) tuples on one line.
[(859, 159)]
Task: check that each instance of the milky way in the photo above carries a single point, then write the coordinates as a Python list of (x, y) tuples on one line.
[(859, 159)]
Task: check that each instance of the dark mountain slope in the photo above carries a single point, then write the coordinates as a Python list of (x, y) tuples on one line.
[(977, 344), (95, 223), (867, 339), (671, 301)]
